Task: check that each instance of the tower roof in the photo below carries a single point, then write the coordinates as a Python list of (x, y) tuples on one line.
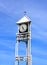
[(24, 19)]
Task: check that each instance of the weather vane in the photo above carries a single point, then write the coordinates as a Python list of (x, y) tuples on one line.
[(25, 12)]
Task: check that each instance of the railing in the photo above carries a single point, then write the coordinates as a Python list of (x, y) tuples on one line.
[(23, 58), (23, 36)]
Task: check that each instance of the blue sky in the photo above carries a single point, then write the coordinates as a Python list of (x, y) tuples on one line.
[(10, 12)]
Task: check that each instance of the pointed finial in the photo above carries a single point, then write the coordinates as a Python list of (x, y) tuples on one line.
[(25, 12)]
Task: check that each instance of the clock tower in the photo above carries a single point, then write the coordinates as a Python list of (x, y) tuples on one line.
[(23, 35)]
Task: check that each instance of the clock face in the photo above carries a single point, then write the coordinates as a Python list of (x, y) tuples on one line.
[(23, 28)]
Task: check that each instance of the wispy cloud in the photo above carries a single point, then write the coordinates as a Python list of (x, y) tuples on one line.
[(41, 61)]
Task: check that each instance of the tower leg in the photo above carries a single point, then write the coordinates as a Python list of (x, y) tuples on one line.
[(28, 53), (16, 53), (17, 62)]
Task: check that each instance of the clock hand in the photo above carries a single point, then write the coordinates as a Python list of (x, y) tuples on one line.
[(22, 27)]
